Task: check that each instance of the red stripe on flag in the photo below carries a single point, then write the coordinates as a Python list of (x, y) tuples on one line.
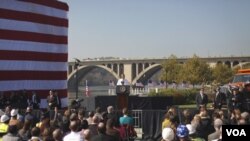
[(32, 17), (50, 3), (35, 56), (30, 36), (33, 75)]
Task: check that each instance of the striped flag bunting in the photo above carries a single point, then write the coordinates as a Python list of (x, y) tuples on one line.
[(34, 47)]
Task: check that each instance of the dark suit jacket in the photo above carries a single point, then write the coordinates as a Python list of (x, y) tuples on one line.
[(218, 100), (201, 101), (103, 137)]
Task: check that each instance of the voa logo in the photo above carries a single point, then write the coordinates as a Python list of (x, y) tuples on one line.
[(236, 132)]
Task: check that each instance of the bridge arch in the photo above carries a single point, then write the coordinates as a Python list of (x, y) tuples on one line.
[(147, 73), (83, 70)]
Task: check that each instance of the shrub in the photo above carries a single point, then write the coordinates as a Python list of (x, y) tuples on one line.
[(180, 96)]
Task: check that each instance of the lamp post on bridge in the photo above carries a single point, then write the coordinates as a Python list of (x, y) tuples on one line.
[(77, 63)]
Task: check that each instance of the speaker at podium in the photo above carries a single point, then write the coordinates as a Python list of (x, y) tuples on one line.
[(122, 90)]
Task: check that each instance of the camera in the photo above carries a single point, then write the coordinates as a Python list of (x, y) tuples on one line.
[(76, 103)]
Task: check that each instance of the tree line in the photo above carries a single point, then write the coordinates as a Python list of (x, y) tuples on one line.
[(196, 71)]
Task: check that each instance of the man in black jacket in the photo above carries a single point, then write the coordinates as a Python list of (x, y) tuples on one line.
[(201, 99)]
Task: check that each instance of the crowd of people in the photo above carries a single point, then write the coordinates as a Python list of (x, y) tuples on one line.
[(69, 125), (206, 125)]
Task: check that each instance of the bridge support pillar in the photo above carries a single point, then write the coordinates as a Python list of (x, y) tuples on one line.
[(128, 72)]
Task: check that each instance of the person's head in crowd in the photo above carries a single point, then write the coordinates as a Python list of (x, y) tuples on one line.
[(35, 132), (242, 121), (5, 119), (14, 113), (101, 128), (87, 135), (202, 108), (168, 134), (204, 114), (7, 110), (51, 92), (12, 129), (67, 113), (73, 117), (81, 114), (104, 116), (221, 113), (173, 110), (182, 132), (125, 111), (235, 90), (91, 114), (110, 109), (246, 116), (218, 124), (28, 109), (73, 126), (85, 124), (57, 135), (96, 119), (98, 110)]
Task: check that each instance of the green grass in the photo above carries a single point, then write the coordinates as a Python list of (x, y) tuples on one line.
[(190, 106)]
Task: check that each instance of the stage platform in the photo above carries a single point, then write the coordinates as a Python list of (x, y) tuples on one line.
[(134, 102)]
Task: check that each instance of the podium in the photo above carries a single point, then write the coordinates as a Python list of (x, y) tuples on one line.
[(122, 92)]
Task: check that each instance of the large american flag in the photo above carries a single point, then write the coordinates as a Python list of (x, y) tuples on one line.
[(33, 47)]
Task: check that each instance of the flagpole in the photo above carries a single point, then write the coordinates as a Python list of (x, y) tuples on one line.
[(86, 89)]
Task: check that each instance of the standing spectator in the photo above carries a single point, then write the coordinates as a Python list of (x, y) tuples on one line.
[(236, 99), (35, 100), (218, 99), (12, 134), (102, 136), (112, 115), (127, 126), (14, 120), (73, 135), (57, 135), (110, 130), (35, 134), (4, 125), (58, 100), (201, 99), (52, 100)]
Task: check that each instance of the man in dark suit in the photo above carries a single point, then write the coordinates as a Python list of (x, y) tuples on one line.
[(218, 99), (201, 99), (102, 136)]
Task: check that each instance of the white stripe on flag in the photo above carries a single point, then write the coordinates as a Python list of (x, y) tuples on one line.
[(33, 65), (31, 27), (32, 46), (32, 85), (31, 7)]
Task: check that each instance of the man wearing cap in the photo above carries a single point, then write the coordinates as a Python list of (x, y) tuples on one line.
[(14, 120), (4, 125), (236, 100)]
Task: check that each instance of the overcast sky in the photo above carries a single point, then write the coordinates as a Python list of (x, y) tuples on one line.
[(158, 28)]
